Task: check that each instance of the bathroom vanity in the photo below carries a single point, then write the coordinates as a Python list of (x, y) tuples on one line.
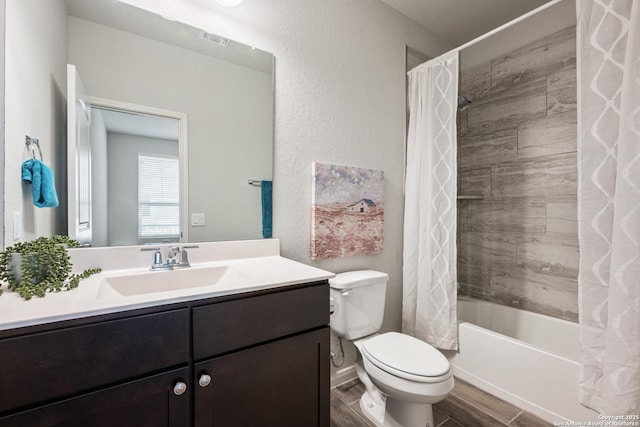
[(255, 356)]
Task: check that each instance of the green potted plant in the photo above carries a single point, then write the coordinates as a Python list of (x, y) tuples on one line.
[(40, 266)]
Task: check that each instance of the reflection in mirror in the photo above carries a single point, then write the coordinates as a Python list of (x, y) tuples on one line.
[(131, 56), (135, 178)]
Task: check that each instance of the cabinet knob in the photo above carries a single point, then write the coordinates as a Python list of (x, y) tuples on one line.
[(204, 380), (179, 388)]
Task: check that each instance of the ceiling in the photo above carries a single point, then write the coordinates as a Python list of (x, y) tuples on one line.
[(125, 17), (459, 21), (140, 124)]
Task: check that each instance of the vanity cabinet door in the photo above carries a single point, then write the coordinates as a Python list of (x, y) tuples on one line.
[(149, 402), (279, 384), (44, 367)]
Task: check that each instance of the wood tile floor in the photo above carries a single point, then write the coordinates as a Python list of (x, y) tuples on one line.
[(466, 406)]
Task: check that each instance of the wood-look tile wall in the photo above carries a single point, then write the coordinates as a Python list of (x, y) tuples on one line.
[(517, 149)]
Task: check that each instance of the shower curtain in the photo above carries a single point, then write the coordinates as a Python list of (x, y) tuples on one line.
[(429, 256), (609, 204)]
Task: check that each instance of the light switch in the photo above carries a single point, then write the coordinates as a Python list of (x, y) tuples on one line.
[(198, 220)]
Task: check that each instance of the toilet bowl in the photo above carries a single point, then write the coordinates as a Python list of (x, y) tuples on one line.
[(410, 374), (407, 368), (403, 376)]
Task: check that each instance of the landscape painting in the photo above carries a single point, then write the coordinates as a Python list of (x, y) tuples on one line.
[(347, 211)]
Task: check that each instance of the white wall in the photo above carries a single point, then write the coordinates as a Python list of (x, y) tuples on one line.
[(2, 117), (224, 151), (99, 181), (35, 64), (340, 98), (122, 161)]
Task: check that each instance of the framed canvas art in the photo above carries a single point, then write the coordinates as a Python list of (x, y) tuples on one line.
[(347, 211)]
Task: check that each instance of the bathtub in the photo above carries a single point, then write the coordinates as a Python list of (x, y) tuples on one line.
[(524, 358)]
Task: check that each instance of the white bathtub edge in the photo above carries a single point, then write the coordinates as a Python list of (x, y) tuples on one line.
[(541, 382), (505, 395)]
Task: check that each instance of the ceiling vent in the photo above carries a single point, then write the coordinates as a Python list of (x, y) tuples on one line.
[(214, 38)]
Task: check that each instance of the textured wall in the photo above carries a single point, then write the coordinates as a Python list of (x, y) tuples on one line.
[(340, 98), (517, 148), (35, 64)]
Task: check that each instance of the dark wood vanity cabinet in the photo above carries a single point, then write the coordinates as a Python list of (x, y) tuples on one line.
[(267, 367), (275, 384), (115, 372), (254, 359)]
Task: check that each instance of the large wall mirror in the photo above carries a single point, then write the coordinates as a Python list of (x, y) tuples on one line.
[(177, 110)]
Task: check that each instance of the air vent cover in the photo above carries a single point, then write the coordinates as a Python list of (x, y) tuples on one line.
[(216, 39)]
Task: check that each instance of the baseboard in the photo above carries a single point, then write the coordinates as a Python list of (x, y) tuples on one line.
[(343, 375)]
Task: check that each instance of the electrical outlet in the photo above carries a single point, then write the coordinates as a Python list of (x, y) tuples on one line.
[(198, 220), (17, 226)]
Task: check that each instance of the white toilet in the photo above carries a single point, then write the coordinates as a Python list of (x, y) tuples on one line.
[(403, 375)]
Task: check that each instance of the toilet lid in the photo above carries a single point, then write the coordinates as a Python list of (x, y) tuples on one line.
[(406, 354)]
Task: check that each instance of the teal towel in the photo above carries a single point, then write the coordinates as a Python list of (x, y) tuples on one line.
[(43, 185), (267, 215)]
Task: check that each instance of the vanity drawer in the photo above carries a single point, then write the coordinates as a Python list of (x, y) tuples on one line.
[(44, 366), (230, 325)]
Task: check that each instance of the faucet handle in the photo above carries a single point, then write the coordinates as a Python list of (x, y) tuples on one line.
[(157, 257), (184, 259)]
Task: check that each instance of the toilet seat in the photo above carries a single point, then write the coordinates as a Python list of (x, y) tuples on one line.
[(406, 357)]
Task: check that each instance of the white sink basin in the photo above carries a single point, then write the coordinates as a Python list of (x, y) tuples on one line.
[(167, 281)]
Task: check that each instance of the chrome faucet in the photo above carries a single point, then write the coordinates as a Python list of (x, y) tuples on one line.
[(177, 257)]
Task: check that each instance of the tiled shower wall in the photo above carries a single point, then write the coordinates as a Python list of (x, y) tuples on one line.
[(518, 245)]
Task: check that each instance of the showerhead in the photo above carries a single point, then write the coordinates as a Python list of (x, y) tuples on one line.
[(463, 103)]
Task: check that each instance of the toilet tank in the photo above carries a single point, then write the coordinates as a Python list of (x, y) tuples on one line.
[(357, 302)]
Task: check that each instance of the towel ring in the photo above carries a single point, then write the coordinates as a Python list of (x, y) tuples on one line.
[(31, 142)]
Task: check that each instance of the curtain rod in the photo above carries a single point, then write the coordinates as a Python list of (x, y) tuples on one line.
[(507, 25)]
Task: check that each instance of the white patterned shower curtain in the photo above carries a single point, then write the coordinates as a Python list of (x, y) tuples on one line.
[(609, 204), (429, 256)]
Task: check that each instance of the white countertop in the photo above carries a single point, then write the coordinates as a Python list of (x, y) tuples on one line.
[(263, 269)]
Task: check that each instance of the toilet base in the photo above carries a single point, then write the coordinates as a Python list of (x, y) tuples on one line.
[(396, 413), (372, 410), (407, 414)]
